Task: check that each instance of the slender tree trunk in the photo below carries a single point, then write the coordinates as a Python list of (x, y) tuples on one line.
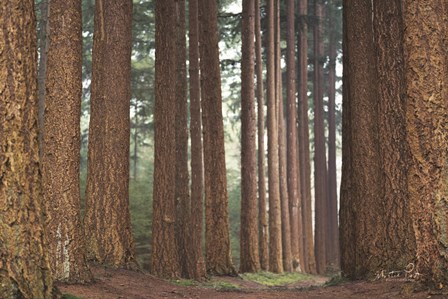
[(262, 213), (309, 263), (182, 196), (333, 232), (275, 233), (320, 167), (217, 237), (61, 154), (249, 255), (164, 258), (42, 69), (24, 266), (293, 171), (135, 160), (107, 219), (197, 164), (426, 69)]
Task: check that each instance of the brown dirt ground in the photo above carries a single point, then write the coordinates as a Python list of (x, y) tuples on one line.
[(126, 284)]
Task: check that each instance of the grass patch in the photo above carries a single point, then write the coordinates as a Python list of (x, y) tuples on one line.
[(220, 285), (271, 279), (184, 282), (335, 280), (70, 296)]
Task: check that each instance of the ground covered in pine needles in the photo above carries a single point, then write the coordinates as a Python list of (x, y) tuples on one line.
[(125, 284)]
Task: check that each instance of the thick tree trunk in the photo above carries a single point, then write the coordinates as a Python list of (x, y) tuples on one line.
[(375, 154), (332, 205), (293, 162), (24, 266), (262, 213), (197, 164), (320, 167), (308, 262), (107, 220), (182, 196), (164, 258), (61, 156), (217, 237), (426, 69), (275, 232), (249, 255)]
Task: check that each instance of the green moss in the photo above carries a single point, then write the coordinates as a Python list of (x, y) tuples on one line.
[(272, 279), (221, 285), (335, 280)]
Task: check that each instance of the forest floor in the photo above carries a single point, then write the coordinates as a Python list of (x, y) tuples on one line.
[(126, 284)]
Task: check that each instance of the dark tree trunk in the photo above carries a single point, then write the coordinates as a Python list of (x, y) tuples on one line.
[(275, 231), (217, 237), (332, 205), (61, 154), (308, 263), (107, 219), (197, 165), (320, 167), (164, 258), (182, 196), (249, 255), (24, 266), (262, 213), (293, 162)]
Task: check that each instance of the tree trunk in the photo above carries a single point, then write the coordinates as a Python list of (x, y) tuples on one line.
[(197, 164), (42, 70), (249, 255), (332, 206), (426, 69), (24, 266), (164, 258), (275, 233), (375, 154), (309, 263), (107, 220), (293, 171), (262, 213), (320, 167), (218, 258), (182, 196), (61, 154)]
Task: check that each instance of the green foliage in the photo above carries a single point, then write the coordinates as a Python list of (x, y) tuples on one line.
[(272, 279), (335, 280)]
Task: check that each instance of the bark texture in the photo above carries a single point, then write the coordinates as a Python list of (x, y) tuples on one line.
[(217, 239), (107, 220), (24, 266), (426, 73), (275, 231), (61, 154), (197, 163), (164, 257), (308, 262), (249, 254), (262, 213)]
